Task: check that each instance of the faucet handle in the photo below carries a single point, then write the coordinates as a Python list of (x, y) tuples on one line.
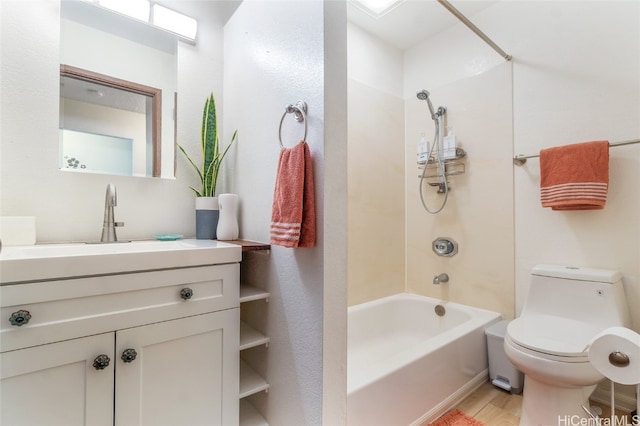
[(118, 224)]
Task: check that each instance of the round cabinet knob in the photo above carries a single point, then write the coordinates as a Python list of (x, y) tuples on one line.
[(128, 355), (186, 293), (20, 318), (101, 362)]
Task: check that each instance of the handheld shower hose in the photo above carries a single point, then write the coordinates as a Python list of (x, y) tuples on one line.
[(437, 117)]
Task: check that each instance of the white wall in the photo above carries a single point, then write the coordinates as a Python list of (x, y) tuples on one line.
[(575, 82), (571, 84), (270, 63), (69, 206)]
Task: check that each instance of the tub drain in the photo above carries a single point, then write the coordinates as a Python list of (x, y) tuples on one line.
[(440, 310)]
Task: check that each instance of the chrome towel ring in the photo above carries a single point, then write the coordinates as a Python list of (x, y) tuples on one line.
[(300, 112)]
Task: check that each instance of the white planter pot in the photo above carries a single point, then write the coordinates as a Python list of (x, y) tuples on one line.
[(228, 222)]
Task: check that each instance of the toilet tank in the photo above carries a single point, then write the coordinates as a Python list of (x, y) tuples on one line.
[(595, 296)]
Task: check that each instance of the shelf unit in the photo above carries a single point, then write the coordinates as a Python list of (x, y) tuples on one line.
[(249, 293), (250, 337), (249, 416), (251, 382)]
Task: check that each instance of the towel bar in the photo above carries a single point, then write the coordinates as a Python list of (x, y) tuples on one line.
[(520, 159), (300, 112)]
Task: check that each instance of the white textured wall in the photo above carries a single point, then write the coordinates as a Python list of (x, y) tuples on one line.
[(270, 63), (70, 206)]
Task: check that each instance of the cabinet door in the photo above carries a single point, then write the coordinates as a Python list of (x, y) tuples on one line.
[(185, 372), (57, 384)]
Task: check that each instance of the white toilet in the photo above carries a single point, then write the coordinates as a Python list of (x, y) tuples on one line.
[(566, 307)]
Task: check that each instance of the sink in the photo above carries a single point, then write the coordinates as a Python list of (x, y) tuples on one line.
[(51, 261)]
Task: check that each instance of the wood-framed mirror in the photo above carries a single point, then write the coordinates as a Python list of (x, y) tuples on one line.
[(109, 125), (112, 45)]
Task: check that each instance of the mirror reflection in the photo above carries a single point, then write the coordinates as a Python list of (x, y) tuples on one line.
[(108, 125), (117, 96)]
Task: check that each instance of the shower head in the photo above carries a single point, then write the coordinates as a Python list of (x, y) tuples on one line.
[(423, 95)]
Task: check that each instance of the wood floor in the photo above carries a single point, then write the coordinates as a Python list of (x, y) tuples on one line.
[(496, 407), (493, 406)]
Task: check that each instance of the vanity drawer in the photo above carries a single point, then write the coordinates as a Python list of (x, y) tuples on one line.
[(66, 309)]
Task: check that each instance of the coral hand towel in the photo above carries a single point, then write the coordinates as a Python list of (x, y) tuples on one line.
[(293, 218), (575, 177)]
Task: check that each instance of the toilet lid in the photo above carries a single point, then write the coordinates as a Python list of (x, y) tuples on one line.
[(552, 335)]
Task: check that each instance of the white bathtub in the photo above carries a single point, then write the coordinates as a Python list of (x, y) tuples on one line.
[(407, 365)]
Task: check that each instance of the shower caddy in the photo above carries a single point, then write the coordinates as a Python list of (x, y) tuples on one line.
[(453, 167)]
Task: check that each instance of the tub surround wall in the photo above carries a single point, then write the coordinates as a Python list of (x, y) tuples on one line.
[(376, 226), (479, 210), (376, 197), (385, 124)]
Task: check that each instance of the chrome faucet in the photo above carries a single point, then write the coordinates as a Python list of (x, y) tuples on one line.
[(109, 225), (442, 278)]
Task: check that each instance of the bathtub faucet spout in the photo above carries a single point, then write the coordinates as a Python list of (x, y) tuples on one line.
[(442, 278)]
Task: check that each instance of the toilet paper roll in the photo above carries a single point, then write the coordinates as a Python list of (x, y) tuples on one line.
[(615, 353)]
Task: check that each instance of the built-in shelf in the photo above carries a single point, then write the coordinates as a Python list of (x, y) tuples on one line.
[(250, 245), (249, 293), (250, 337), (250, 381), (249, 416)]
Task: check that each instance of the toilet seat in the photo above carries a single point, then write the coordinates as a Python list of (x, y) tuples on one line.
[(553, 337)]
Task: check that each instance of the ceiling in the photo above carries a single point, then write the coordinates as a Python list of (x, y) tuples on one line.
[(405, 26), (413, 20)]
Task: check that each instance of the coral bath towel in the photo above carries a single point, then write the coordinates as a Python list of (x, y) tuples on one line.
[(575, 177), (293, 218)]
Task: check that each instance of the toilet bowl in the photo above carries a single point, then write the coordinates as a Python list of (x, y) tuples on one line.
[(566, 307)]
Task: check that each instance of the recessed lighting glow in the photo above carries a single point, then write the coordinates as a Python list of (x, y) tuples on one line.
[(174, 22), (378, 7), (138, 9)]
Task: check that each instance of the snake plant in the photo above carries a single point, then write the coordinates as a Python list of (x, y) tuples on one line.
[(212, 156)]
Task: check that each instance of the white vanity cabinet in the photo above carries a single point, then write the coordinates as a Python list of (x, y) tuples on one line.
[(56, 384), (185, 375), (153, 348)]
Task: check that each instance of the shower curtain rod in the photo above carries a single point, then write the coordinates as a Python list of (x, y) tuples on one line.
[(473, 28), (520, 159)]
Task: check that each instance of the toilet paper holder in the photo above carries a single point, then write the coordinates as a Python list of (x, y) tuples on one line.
[(619, 359)]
